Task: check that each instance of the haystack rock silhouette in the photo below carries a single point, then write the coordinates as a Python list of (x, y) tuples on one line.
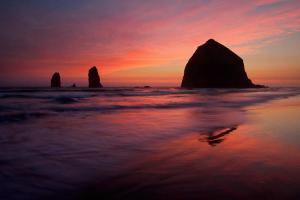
[(94, 79), (55, 80), (215, 66)]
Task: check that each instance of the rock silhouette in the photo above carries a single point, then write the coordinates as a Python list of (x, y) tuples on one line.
[(215, 66), (94, 79), (55, 80)]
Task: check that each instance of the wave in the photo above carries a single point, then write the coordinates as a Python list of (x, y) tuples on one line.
[(20, 116), (124, 107), (229, 103), (56, 98), (79, 93), (65, 100), (13, 109)]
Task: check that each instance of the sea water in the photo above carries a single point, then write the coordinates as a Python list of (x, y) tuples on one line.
[(149, 143)]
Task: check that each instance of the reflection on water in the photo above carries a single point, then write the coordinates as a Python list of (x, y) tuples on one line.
[(217, 136), (159, 143)]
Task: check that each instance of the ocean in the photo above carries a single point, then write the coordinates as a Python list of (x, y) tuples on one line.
[(149, 143)]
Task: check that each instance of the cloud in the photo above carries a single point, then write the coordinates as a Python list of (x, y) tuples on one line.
[(40, 37)]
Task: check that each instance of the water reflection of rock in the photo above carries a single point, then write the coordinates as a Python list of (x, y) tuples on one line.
[(217, 136)]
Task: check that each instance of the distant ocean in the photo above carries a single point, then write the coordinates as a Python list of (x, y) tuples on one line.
[(149, 143)]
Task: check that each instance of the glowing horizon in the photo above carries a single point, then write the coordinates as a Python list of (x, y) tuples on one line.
[(144, 43)]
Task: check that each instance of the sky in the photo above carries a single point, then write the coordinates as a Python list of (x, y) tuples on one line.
[(138, 42)]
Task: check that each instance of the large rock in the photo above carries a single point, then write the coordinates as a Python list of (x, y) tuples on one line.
[(55, 80), (215, 66), (94, 79)]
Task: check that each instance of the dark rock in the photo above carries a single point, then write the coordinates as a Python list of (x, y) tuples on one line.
[(74, 85), (215, 66), (55, 80), (94, 79)]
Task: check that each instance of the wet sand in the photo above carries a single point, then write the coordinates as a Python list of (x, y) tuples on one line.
[(258, 159), (150, 144)]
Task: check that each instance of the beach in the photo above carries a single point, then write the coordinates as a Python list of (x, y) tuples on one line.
[(149, 143)]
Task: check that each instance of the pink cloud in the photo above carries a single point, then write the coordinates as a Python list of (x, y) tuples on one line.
[(266, 2), (149, 34)]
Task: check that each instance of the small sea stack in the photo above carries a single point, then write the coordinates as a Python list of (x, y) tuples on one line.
[(215, 66), (55, 80), (94, 78)]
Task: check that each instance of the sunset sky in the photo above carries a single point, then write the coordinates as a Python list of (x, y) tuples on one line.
[(138, 42)]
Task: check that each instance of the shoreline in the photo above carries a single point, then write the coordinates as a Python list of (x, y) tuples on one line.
[(188, 144), (141, 182)]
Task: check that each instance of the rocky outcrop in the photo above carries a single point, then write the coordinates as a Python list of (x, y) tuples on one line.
[(215, 66), (94, 78), (55, 80)]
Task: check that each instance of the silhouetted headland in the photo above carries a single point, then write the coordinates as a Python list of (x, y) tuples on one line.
[(215, 66), (55, 80), (94, 78)]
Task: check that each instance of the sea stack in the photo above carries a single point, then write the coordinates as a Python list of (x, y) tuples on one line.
[(215, 66), (94, 79), (55, 80)]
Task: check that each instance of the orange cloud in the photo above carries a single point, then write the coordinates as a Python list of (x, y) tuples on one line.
[(119, 36)]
